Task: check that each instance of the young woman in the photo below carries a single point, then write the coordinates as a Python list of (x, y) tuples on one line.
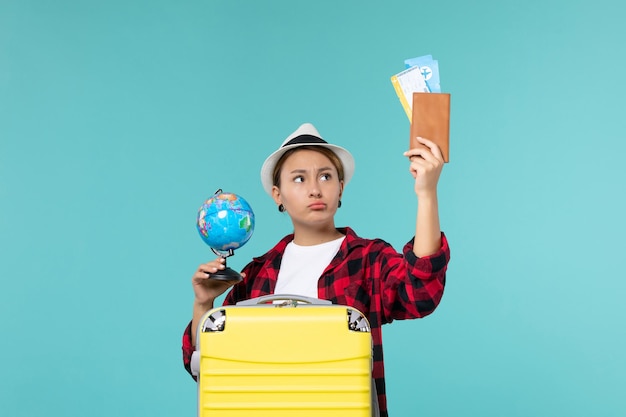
[(306, 178)]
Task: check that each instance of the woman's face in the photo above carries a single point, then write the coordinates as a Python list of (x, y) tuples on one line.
[(310, 189)]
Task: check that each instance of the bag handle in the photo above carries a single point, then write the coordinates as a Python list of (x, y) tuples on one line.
[(264, 299)]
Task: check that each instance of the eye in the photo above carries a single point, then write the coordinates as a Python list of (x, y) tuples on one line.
[(325, 177), (299, 178)]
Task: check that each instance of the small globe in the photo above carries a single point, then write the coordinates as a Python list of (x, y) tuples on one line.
[(225, 221)]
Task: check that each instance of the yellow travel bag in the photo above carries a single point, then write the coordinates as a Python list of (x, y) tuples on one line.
[(284, 355)]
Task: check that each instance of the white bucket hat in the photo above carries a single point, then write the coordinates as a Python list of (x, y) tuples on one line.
[(307, 135)]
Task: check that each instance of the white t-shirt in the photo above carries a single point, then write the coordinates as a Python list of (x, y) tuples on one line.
[(302, 266)]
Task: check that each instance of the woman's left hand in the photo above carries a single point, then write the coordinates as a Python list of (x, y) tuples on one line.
[(426, 165)]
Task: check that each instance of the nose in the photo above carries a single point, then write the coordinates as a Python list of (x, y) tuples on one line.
[(315, 190)]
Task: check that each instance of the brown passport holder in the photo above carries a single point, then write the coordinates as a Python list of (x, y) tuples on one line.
[(431, 120)]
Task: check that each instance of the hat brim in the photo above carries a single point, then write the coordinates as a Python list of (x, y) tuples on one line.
[(267, 170)]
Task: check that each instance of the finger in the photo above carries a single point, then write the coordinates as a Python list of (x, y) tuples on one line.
[(215, 262), (434, 148), (210, 268), (425, 154), (418, 167), (421, 153), (416, 150), (200, 276)]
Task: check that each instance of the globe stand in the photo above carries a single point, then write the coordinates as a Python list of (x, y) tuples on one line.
[(226, 274)]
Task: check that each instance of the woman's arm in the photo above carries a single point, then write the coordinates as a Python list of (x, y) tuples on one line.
[(426, 165), (206, 290)]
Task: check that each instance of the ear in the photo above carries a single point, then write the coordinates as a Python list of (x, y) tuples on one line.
[(276, 195), (340, 189)]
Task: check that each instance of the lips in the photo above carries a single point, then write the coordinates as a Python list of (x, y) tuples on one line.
[(317, 206)]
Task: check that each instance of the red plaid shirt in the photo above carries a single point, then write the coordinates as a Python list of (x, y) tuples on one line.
[(367, 274)]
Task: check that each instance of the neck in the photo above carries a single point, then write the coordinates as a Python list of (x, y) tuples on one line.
[(307, 236)]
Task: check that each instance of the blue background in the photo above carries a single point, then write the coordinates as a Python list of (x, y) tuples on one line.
[(118, 118)]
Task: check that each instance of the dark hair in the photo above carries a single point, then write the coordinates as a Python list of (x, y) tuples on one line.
[(320, 149)]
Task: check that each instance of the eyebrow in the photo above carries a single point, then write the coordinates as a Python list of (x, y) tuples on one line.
[(301, 171)]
